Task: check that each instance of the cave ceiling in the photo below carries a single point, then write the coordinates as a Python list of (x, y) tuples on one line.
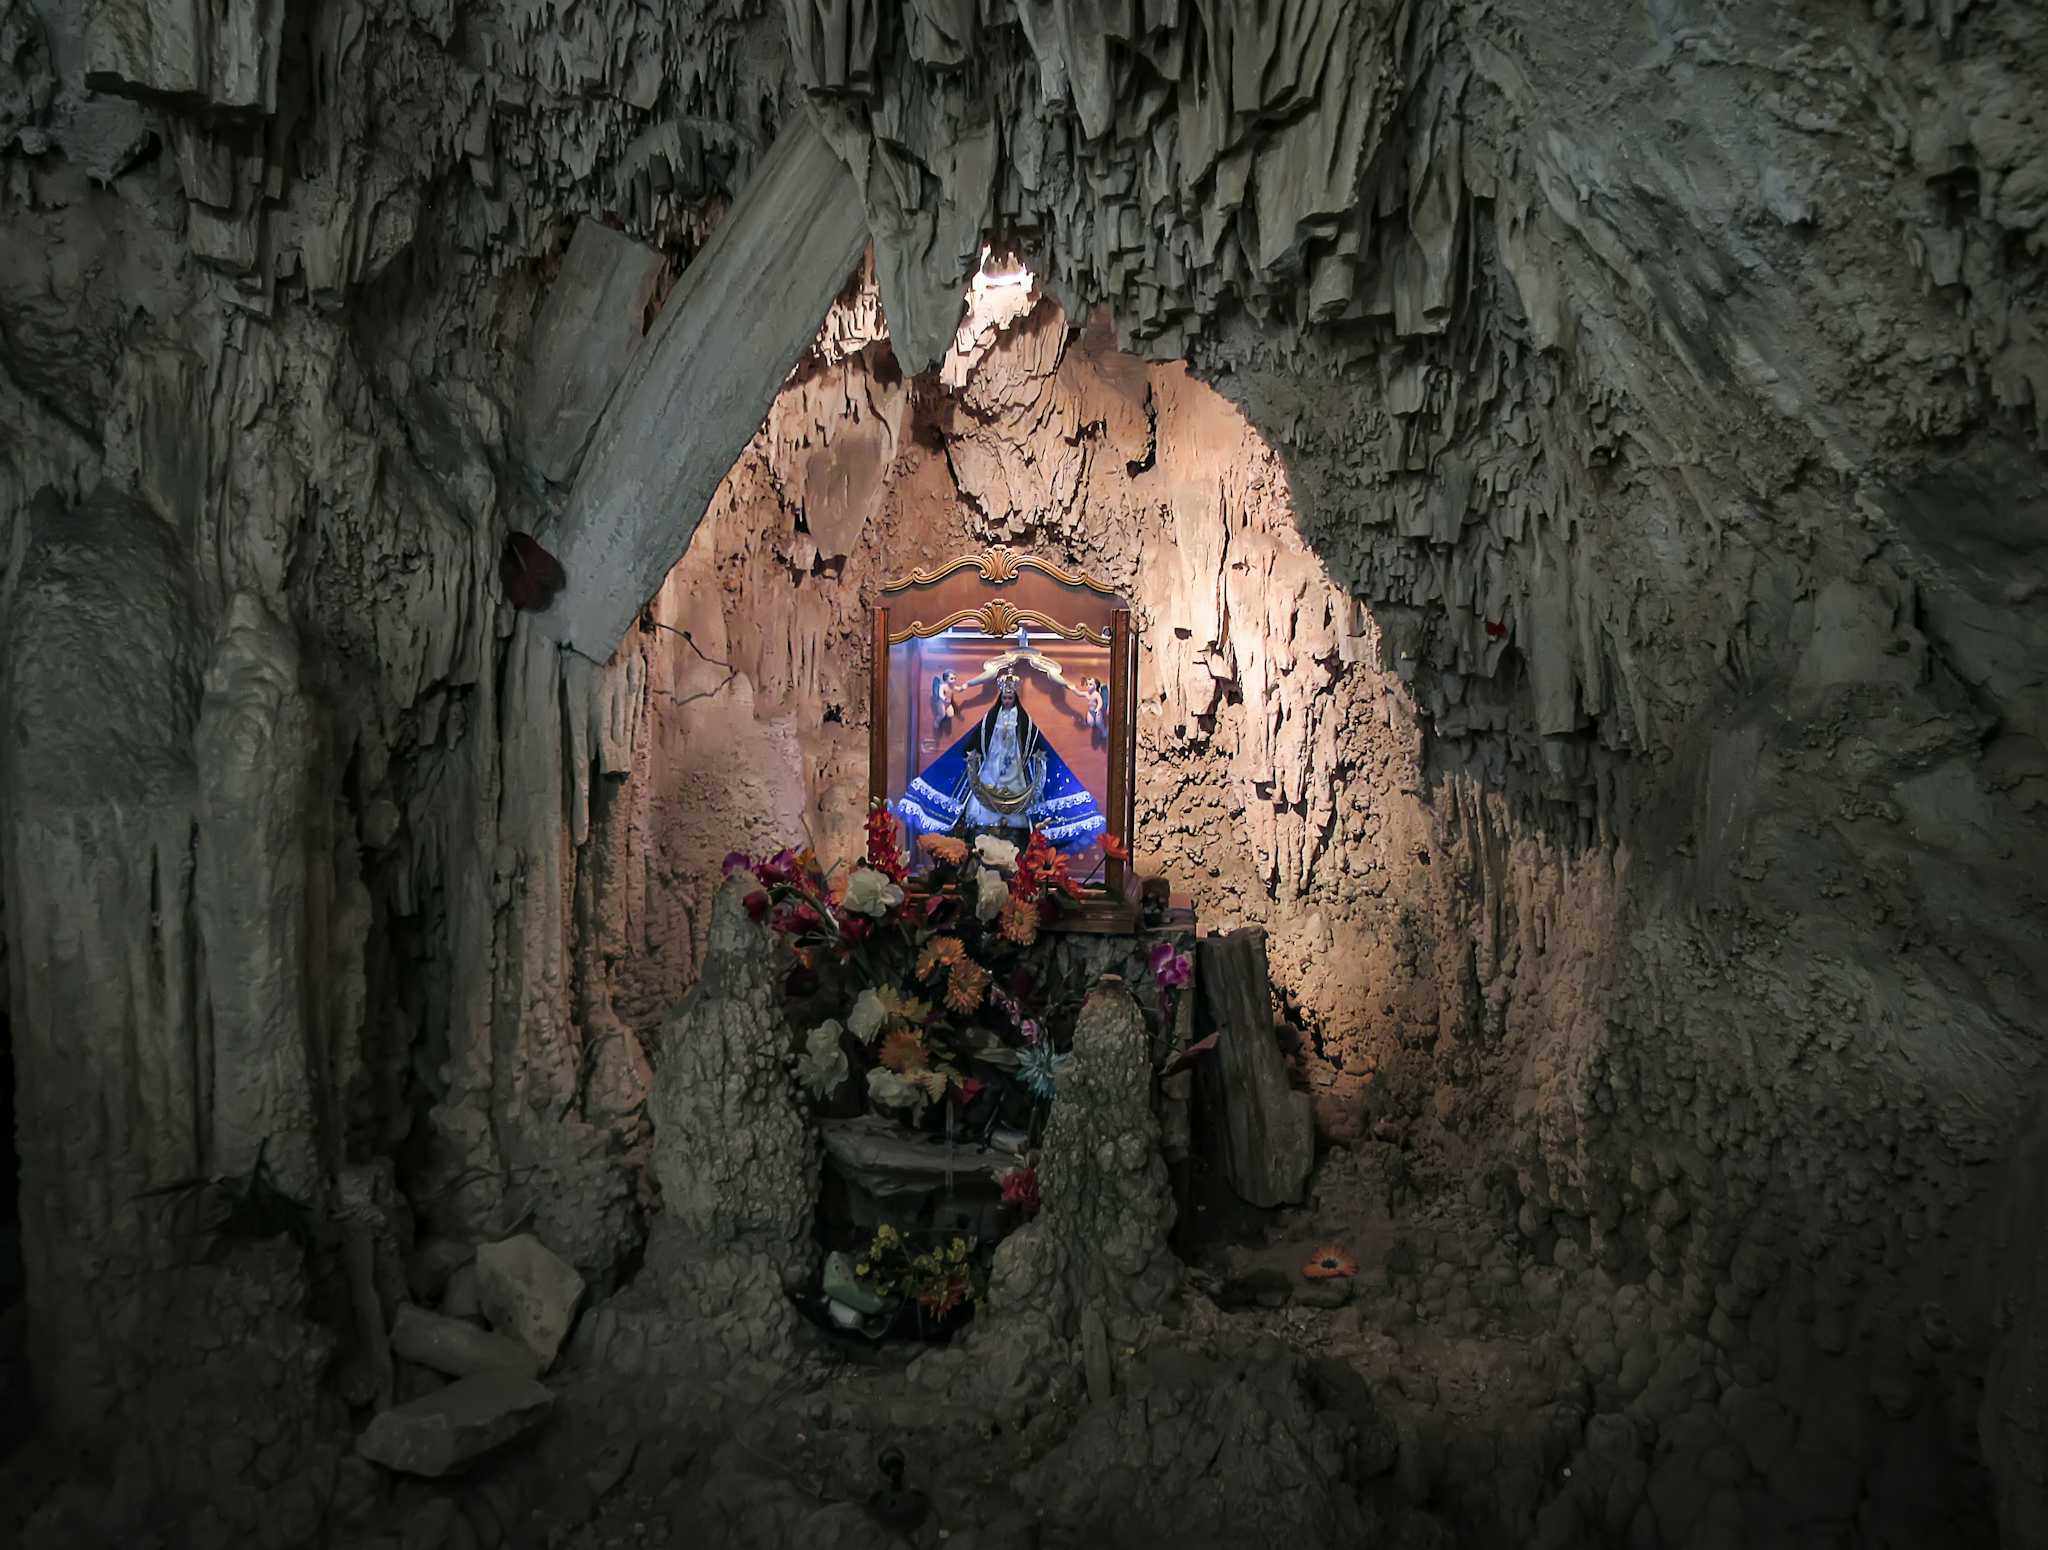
[(1660, 390)]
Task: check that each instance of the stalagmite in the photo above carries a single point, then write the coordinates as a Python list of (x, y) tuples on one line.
[(1576, 474)]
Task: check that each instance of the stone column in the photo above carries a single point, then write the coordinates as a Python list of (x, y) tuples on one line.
[(1092, 1268), (737, 1160)]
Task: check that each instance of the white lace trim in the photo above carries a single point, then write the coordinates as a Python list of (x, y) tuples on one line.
[(1071, 799), (1066, 831), (913, 813), (932, 794)]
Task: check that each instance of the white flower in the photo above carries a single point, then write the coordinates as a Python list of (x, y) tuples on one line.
[(891, 1091), (995, 893), (823, 1064), (1000, 854), (868, 892), (868, 1017)]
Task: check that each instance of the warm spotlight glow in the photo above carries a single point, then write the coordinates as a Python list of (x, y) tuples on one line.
[(1004, 274)]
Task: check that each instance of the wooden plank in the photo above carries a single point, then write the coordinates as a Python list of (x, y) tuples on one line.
[(878, 709), (1267, 1132), (1122, 742)]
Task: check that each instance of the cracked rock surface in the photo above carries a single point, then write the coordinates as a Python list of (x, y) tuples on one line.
[(1578, 470)]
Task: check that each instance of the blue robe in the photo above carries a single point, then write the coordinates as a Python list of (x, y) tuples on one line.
[(1068, 812)]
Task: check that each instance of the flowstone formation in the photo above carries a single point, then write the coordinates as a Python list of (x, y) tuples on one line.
[(1092, 1269), (1606, 656), (738, 1165), (1096, 1252)]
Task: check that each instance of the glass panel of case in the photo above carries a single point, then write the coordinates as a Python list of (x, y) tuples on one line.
[(999, 705), (958, 763)]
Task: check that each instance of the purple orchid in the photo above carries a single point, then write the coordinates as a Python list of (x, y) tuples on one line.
[(1170, 966), (780, 868)]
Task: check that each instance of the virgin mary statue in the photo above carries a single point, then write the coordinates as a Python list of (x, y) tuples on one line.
[(1001, 774)]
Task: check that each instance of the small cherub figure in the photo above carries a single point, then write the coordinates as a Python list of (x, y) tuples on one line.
[(942, 697), (1096, 701)]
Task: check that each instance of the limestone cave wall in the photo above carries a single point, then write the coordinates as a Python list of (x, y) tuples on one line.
[(1614, 620)]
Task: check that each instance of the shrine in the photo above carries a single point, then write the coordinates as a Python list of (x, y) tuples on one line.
[(1029, 776), (1003, 704)]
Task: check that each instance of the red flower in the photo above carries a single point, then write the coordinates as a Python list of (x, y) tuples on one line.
[(855, 928), (1115, 848), (1020, 1189), (1039, 866), (885, 850), (782, 867), (798, 918), (970, 1089), (756, 903)]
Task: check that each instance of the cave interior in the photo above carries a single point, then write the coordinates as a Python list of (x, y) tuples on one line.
[(1023, 774)]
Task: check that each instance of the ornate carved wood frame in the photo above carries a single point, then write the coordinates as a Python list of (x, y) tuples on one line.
[(896, 620)]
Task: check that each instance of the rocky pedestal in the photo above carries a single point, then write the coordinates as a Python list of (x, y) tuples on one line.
[(1092, 1269), (1106, 1206), (738, 1164)]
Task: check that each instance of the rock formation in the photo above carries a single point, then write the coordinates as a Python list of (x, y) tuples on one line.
[(1603, 647), (737, 1163), (1097, 1248)]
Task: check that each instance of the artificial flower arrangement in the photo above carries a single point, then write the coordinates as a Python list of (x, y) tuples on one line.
[(939, 1006), (934, 1000), (938, 1284)]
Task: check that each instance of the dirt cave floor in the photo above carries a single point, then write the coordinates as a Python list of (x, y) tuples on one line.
[(1453, 1392)]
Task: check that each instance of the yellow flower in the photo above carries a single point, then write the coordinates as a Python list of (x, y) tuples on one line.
[(903, 1006)]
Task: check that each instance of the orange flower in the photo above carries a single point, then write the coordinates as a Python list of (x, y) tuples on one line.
[(966, 986), (1020, 921), (940, 952), (1115, 848), (1328, 1262), (903, 1051), (946, 848)]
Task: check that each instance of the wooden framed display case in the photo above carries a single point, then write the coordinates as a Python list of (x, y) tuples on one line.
[(1004, 665)]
